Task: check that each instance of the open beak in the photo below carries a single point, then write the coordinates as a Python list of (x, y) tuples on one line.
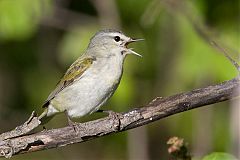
[(130, 50), (136, 40)]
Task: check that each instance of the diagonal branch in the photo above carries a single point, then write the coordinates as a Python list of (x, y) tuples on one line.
[(155, 110)]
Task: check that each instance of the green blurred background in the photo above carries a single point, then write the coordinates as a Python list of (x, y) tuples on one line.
[(39, 39)]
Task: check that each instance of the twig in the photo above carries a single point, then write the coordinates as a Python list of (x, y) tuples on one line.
[(23, 129), (157, 109), (185, 8), (234, 63)]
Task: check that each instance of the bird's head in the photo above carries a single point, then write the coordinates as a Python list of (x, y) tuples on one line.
[(111, 42)]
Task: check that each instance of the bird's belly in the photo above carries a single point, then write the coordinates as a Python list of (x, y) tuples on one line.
[(87, 94)]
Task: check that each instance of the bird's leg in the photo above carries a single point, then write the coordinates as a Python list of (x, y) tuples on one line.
[(44, 128), (70, 122), (100, 111)]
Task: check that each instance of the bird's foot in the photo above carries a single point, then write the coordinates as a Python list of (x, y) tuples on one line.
[(115, 117), (71, 123), (44, 128), (111, 114)]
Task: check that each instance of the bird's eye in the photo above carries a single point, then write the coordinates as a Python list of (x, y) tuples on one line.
[(117, 38)]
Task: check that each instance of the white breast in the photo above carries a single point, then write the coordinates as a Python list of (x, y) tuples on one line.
[(91, 90)]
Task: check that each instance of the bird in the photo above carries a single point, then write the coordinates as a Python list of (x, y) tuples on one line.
[(92, 79)]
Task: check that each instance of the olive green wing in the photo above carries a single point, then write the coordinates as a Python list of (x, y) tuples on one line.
[(74, 72)]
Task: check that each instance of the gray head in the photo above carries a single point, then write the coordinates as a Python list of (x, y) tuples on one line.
[(112, 41)]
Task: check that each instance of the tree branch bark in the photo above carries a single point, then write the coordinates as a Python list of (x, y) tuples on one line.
[(155, 110)]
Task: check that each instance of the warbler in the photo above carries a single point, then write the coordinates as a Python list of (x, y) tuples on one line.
[(92, 79)]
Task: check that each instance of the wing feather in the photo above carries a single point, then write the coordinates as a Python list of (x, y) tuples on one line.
[(75, 71)]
